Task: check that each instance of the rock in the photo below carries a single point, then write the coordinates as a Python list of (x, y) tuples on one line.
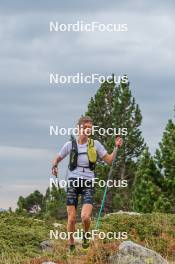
[(46, 245), (38, 220), (132, 253), (57, 225), (123, 212), (49, 262)]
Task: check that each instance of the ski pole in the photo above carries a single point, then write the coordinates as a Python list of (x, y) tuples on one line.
[(106, 188)]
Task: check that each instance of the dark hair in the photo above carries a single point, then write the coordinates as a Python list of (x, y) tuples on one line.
[(84, 119)]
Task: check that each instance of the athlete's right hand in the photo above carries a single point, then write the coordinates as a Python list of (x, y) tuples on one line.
[(55, 170)]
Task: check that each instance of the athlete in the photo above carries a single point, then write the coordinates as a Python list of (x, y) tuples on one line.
[(83, 154)]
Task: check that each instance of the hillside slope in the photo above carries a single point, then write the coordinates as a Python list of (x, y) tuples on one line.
[(20, 238)]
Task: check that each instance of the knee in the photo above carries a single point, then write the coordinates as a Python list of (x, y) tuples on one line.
[(85, 218), (71, 219)]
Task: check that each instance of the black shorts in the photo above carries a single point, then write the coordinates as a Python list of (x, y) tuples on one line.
[(78, 187)]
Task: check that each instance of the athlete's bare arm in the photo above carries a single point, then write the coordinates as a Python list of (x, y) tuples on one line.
[(55, 164)]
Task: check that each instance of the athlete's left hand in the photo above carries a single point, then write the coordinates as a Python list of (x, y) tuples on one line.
[(118, 142)]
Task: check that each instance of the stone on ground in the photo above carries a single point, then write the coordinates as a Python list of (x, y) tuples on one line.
[(132, 253)]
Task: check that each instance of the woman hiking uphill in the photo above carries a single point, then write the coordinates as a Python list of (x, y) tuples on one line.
[(83, 153)]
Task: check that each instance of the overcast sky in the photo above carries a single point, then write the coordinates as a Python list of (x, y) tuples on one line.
[(29, 52)]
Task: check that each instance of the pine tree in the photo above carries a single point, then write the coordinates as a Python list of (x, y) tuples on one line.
[(101, 108), (163, 204), (114, 106), (55, 203), (165, 158), (52, 204), (128, 115), (33, 203), (145, 189)]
